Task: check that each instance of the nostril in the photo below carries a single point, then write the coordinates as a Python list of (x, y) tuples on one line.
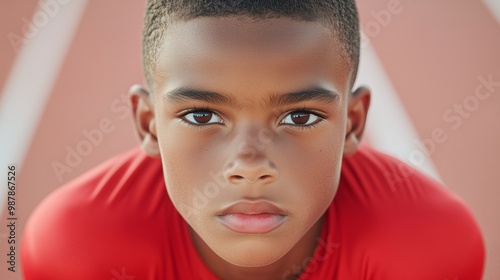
[(263, 177), (236, 177)]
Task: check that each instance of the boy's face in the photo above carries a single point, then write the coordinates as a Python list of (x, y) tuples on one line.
[(252, 119)]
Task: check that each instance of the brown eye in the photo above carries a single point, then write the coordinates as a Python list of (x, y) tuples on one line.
[(202, 117), (301, 118)]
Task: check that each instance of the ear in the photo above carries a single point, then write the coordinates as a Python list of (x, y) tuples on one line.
[(358, 106), (144, 119)]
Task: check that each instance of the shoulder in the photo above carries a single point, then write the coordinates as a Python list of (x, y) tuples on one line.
[(404, 223), (371, 176), (128, 176), (91, 221)]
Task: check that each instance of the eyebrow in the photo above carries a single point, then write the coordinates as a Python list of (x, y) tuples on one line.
[(185, 94), (308, 94)]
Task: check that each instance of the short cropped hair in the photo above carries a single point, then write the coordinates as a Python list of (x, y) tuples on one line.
[(340, 16)]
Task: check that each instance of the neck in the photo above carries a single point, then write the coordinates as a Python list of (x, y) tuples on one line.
[(289, 267)]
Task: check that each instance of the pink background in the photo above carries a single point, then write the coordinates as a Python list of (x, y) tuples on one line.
[(433, 53)]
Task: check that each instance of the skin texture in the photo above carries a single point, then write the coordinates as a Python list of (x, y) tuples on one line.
[(251, 148)]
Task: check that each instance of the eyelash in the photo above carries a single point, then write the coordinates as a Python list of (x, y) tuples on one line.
[(205, 109), (321, 118), (194, 110)]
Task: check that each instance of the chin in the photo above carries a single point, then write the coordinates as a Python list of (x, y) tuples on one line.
[(252, 253)]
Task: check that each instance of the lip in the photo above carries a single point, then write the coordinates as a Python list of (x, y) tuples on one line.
[(252, 217)]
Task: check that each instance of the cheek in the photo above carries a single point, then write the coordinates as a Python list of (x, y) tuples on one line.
[(314, 170), (188, 160)]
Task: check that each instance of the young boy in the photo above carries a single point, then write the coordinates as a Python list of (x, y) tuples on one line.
[(250, 124)]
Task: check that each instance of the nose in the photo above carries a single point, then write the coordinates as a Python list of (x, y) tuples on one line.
[(260, 171), (251, 166)]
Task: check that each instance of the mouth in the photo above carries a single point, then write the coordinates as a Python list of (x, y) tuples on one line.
[(252, 217)]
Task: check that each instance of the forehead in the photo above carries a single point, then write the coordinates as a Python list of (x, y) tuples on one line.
[(243, 33), (229, 54)]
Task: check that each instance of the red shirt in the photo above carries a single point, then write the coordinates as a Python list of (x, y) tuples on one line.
[(387, 222)]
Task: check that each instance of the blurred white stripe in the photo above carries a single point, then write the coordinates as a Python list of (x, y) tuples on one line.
[(31, 80), (494, 7), (389, 128)]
